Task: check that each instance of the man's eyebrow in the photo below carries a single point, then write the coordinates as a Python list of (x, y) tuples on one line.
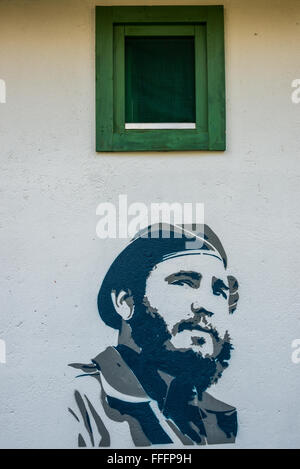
[(219, 282), (190, 275)]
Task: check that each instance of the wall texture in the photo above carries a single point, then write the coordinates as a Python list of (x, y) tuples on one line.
[(52, 180)]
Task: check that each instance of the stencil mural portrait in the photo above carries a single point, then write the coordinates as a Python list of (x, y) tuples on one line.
[(169, 296)]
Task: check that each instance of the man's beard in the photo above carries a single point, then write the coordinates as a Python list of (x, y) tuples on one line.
[(151, 335), (190, 374)]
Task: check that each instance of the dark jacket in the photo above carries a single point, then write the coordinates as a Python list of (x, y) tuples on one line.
[(122, 398)]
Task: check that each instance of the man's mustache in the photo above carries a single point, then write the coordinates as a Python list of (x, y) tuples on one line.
[(194, 325)]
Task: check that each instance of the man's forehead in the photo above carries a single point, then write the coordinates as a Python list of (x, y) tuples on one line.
[(198, 261)]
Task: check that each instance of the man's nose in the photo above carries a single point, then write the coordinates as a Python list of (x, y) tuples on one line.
[(200, 311)]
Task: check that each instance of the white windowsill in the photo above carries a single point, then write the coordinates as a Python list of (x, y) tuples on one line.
[(162, 125)]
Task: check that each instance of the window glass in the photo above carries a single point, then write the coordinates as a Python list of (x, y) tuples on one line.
[(159, 79)]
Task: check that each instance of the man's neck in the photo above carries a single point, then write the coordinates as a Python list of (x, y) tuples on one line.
[(154, 382), (125, 338)]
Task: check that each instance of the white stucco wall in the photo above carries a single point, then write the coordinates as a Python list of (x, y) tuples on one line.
[(52, 180)]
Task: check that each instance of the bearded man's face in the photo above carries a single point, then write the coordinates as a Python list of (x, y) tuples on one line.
[(182, 323)]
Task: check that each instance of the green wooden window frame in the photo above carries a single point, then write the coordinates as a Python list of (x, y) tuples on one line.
[(206, 24)]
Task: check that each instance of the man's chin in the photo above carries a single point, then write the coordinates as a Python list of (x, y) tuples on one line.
[(200, 352), (193, 364)]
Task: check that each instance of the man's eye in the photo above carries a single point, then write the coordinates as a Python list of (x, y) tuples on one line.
[(219, 288), (191, 279), (220, 292), (184, 282)]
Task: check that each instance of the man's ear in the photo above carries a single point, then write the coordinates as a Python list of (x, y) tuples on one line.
[(123, 303), (233, 297)]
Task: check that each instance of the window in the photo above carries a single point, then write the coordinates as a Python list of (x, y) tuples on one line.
[(160, 78)]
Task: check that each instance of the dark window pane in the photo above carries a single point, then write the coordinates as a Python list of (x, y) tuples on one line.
[(160, 79)]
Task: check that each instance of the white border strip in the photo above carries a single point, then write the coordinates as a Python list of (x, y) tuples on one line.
[(162, 125)]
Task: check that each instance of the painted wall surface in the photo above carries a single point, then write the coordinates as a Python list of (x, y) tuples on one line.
[(52, 262)]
